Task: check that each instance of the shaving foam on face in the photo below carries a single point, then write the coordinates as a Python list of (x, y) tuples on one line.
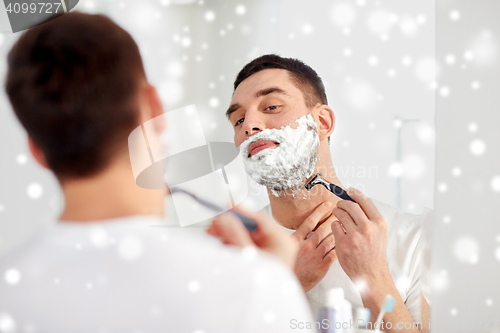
[(290, 163)]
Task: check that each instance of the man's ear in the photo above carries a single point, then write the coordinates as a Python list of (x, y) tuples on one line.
[(37, 153), (155, 106), (326, 122)]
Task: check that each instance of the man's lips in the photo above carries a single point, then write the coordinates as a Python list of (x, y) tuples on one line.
[(257, 146)]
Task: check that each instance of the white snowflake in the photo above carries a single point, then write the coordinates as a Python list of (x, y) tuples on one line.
[(7, 323), (35, 191), (466, 249), (210, 16), (343, 14), (372, 60), (456, 171), (130, 247), (472, 127), (22, 159), (241, 10), (444, 91), (495, 183), (475, 85), (455, 15), (193, 286), (477, 147), (12, 276), (442, 187), (450, 59)]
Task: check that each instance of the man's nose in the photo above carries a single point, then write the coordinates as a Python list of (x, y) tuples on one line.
[(252, 131), (252, 124)]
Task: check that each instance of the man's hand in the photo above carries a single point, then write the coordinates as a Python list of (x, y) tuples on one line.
[(361, 238), (268, 236), (361, 246), (316, 253)]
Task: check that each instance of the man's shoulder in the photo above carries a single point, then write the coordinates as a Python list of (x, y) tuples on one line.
[(168, 266), (68, 246), (405, 233), (395, 218)]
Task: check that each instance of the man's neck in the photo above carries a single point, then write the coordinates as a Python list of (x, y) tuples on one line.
[(110, 194), (291, 210)]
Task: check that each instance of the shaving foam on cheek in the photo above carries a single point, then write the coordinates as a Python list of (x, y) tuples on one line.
[(290, 163)]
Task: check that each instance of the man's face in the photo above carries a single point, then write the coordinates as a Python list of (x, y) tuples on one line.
[(267, 99)]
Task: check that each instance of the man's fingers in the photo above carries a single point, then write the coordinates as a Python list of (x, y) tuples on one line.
[(230, 231), (263, 223), (346, 219), (312, 220), (326, 245), (267, 232), (354, 210), (338, 230), (213, 230), (366, 204), (330, 256), (321, 232)]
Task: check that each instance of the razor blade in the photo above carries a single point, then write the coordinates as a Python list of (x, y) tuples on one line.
[(337, 190)]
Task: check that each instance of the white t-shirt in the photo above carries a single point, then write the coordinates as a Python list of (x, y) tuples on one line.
[(123, 275), (404, 259)]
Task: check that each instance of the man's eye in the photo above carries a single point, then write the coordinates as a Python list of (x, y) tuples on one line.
[(239, 121), (272, 107)]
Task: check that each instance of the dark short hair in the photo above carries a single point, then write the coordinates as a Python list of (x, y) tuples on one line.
[(73, 83), (304, 77)]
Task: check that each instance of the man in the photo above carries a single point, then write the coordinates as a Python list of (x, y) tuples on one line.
[(282, 123), (78, 86)]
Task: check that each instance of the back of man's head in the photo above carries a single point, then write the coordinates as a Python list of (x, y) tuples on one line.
[(73, 83)]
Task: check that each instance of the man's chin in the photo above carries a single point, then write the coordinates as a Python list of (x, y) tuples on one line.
[(293, 191)]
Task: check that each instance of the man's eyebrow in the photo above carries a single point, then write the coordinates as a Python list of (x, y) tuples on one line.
[(231, 109), (268, 91), (258, 94)]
